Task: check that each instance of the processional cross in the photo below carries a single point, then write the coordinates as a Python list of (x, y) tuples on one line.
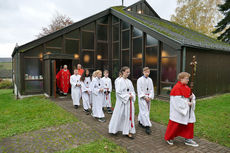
[(193, 64)]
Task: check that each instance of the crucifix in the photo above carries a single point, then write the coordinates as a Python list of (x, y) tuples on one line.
[(193, 65)]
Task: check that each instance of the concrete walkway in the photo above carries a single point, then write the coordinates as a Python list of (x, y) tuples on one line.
[(142, 143)]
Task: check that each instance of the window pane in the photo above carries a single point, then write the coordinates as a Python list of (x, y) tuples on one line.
[(102, 51), (151, 57), (115, 19), (125, 58), (116, 69), (116, 51), (33, 86), (166, 88), (168, 67), (137, 68), (125, 39), (137, 48), (103, 20), (153, 76), (168, 51), (87, 40), (35, 52), (136, 32), (116, 32), (125, 25), (52, 50), (101, 32), (90, 26), (57, 42), (33, 68), (73, 34), (72, 46), (102, 65), (88, 59), (151, 41)]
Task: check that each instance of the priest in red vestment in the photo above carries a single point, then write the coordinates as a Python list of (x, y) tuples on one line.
[(80, 70), (63, 80), (182, 116)]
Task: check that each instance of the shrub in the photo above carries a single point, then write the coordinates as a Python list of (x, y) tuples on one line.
[(6, 84)]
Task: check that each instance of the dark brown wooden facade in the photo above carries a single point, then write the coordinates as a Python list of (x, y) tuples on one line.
[(109, 40)]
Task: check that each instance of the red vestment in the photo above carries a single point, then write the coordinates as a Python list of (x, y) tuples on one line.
[(175, 129), (63, 80), (80, 71)]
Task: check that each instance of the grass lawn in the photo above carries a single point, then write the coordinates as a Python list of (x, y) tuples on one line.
[(100, 146), (19, 116), (6, 65), (212, 117)]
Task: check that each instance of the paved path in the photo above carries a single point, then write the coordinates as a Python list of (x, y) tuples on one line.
[(50, 139), (142, 143)]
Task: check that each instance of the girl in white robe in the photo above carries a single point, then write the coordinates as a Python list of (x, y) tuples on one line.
[(75, 88), (145, 92), (97, 97), (86, 91), (123, 115), (107, 91)]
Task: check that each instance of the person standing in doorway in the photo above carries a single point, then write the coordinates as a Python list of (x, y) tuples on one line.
[(80, 70), (63, 80)]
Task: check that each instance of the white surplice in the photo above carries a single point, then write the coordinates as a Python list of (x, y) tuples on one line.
[(107, 87), (144, 89), (75, 90), (97, 98), (86, 93), (120, 120), (179, 110)]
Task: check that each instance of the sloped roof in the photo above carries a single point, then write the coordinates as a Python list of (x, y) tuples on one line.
[(185, 36)]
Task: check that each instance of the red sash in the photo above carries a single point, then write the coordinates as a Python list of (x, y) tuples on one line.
[(130, 118)]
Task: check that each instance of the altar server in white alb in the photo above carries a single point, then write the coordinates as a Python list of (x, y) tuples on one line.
[(145, 92), (86, 92), (97, 88), (75, 88), (107, 91), (123, 115)]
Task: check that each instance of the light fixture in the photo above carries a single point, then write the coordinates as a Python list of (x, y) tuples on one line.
[(76, 56), (139, 12), (139, 55), (99, 57), (48, 52), (128, 9), (86, 58)]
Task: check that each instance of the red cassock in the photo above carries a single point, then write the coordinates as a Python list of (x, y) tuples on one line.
[(175, 129), (80, 71), (63, 80)]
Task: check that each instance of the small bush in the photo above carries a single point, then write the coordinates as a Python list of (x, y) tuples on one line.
[(6, 84)]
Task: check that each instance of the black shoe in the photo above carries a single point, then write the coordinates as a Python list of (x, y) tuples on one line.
[(76, 106), (147, 130), (130, 137), (109, 110), (140, 124)]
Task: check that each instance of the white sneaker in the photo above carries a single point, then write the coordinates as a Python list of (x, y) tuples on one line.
[(170, 142), (190, 142)]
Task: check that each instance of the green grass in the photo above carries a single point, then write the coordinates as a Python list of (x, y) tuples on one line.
[(5, 65), (19, 116), (99, 146), (212, 117)]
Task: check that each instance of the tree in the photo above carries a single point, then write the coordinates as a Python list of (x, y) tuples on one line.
[(58, 22), (223, 25), (198, 15)]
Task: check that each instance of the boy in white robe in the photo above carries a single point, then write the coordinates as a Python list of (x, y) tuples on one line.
[(97, 97), (123, 115), (75, 88), (107, 91), (145, 92), (86, 92)]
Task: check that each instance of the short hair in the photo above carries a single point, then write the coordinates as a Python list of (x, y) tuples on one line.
[(65, 65), (97, 72), (145, 69), (94, 74), (106, 71), (182, 75)]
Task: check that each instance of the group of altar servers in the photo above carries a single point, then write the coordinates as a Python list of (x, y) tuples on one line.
[(96, 95)]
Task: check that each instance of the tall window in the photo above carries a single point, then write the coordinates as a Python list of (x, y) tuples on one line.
[(54, 46), (168, 69), (33, 76), (88, 47), (125, 46), (137, 39), (102, 54), (115, 47)]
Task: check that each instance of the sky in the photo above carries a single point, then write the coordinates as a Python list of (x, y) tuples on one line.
[(22, 20)]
